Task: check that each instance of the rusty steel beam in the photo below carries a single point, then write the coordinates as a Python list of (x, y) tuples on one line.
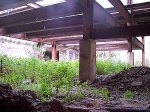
[(101, 15), (63, 31), (54, 11), (122, 10), (116, 32), (45, 25), (138, 43), (122, 32), (63, 38), (144, 5), (127, 16)]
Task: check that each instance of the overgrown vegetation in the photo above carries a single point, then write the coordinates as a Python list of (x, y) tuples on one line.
[(110, 66), (50, 78)]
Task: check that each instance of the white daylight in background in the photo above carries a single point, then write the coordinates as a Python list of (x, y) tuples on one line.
[(140, 1), (107, 4), (124, 2), (33, 5), (104, 3), (50, 2)]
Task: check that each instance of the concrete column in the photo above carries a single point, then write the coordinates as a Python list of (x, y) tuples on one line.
[(68, 54), (2, 31), (87, 60), (130, 58), (54, 51), (143, 52)]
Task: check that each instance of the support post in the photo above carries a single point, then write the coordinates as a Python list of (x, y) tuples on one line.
[(54, 51), (2, 31), (1, 67), (87, 45), (130, 53), (143, 52), (87, 60), (130, 57)]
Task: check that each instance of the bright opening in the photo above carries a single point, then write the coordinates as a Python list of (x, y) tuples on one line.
[(50, 2)]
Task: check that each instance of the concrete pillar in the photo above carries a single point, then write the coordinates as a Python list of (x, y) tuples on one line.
[(54, 51), (2, 31), (130, 58), (87, 60), (68, 54), (88, 44), (143, 52)]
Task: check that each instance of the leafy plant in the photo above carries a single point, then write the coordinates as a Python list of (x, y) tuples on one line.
[(128, 94), (104, 92)]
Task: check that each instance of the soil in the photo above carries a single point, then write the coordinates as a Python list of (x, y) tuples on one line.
[(136, 80)]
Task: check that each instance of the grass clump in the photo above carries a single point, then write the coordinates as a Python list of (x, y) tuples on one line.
[(110, 66), (103, 92), (128, 94)]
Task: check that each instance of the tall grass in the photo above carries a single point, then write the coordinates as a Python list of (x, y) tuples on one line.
[(45, 77), (109, 66), (48, 77)]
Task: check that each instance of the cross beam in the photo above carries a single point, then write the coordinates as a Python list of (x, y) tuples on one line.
[(132, 7), (122, 10), (122, 32), (53, 11)]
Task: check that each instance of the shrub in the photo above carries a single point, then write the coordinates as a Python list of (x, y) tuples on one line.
[(110, 66)]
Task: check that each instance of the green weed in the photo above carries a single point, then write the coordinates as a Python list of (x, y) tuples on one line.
[(128, 94), (110, 66)]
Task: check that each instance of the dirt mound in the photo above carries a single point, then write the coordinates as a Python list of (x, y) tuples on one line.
[(15, 102), (26, 101), (135, 78)]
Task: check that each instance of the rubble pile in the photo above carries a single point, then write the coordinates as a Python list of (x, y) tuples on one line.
[(135, 79)]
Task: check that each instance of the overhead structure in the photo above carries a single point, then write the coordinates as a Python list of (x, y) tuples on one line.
[(84, 22)]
